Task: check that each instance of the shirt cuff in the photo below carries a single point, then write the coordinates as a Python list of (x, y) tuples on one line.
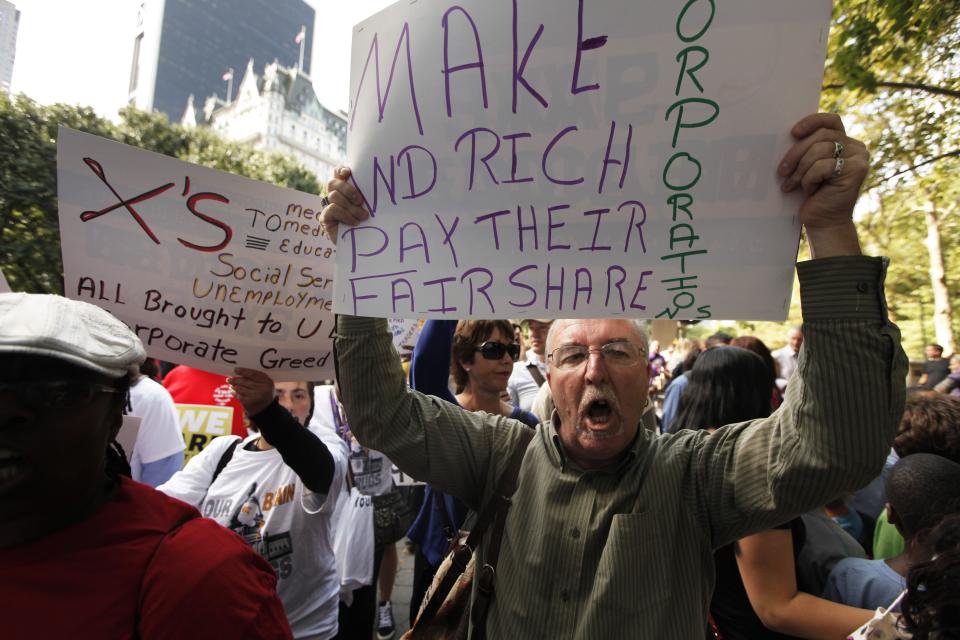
[(356, 326), (843, 288)]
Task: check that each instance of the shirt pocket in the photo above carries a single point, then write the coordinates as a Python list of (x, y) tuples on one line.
[(635, 567)]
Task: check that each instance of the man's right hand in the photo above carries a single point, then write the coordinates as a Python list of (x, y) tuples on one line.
[(346, 204)]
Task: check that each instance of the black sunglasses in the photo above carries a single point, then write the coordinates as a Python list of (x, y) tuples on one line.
[(492, 350), (56, 394)]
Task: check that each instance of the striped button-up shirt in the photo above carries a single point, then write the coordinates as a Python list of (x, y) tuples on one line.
[(627, 552)]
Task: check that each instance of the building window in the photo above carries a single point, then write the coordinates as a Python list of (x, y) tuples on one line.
[(135, 69)]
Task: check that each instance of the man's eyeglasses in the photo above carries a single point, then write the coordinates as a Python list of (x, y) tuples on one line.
[(55, 394), (621, 354), (493, 350)]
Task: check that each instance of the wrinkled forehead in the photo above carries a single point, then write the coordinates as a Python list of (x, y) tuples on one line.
[(594, 332)]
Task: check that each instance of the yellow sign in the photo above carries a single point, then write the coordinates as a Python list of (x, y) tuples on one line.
[(200, 424)]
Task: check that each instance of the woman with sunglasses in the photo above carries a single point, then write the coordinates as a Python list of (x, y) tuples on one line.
[(482, 360), (479, 355)]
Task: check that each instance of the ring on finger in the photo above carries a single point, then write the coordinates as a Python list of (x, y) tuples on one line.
[(324, 201), (837, 149), (837, 168)]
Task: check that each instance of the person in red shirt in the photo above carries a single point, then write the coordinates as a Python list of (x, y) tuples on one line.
[(86, 552), (206, 405)]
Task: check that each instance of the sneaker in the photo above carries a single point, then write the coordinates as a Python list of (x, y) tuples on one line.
[(385, 628)]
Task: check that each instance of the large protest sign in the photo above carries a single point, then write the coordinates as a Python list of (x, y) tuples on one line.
[(577, 158), (209, 269)]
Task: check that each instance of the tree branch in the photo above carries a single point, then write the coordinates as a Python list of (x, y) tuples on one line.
[(950, 154), (909, 86)]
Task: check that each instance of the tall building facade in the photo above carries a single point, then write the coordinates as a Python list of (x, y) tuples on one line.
[(184, 47), (278, 111), (9, 23)]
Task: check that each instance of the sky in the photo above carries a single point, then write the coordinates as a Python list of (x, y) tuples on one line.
[(79, 51)]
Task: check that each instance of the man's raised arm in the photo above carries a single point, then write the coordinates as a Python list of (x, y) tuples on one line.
[(834, 429), (431, 440)]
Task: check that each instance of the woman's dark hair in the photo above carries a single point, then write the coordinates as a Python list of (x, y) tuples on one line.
[(469, 335), (756, 345), (727, 385), (688, 360), (931, 608)]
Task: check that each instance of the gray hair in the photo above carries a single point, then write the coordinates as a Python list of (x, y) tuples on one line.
[(636, 324)]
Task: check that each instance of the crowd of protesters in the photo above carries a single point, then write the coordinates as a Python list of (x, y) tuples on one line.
[(751, 504), (331, 561)]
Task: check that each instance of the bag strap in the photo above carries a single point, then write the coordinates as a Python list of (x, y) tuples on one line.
[(499, 503), (486, 578), (896, 603), (225, 459), (535, 374)]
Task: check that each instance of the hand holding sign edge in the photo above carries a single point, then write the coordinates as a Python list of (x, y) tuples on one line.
[(345, 204), (254, 389), (830, 181)]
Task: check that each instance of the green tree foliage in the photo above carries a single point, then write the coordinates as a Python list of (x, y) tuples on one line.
[(893, 66), (894, 44), (29, 226), (892, 70)]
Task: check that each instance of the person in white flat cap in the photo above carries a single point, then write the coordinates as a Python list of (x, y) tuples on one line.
[(86, 551)]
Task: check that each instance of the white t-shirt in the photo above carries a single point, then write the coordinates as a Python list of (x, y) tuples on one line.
[(353, 542), (353, 522), (159, 436), (263, 500), (521, 386)]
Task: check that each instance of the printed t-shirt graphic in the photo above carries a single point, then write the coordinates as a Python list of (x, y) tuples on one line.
[(264, 501), (372, 471)]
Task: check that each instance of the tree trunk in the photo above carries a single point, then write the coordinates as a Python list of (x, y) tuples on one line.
[(942, 314)]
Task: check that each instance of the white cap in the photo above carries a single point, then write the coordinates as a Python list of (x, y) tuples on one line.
[(78, 332)]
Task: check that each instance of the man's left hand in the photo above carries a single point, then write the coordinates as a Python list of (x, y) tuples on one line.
[(830, 167), (831, 181)]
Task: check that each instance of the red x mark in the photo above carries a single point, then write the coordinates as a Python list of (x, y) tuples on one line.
[(127, 204)]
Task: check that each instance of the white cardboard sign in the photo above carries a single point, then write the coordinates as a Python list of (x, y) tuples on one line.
[(405, 334), (577, 158), (4, 287), (127, 436), (209, 269)]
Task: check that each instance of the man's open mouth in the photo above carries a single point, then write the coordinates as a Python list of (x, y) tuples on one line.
[(599, 411)]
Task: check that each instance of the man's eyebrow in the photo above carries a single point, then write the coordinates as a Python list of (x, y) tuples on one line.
[(574, 343)]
